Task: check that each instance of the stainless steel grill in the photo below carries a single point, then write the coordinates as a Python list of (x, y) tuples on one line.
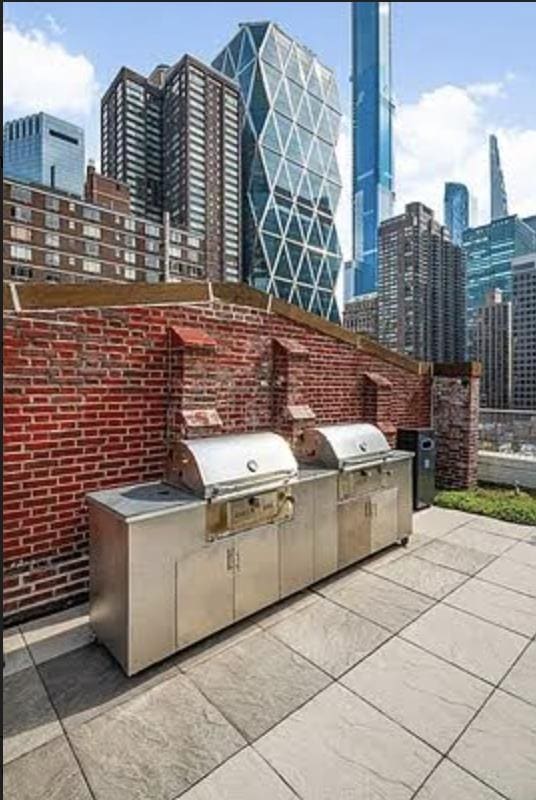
[(232, 466), (373, 486), (343, 446)]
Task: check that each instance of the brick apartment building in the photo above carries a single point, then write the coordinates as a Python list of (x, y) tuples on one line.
[(54, 237)]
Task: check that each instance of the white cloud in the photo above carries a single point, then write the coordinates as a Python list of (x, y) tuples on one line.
[(478, 90), (444, 137), (55, 28), (42, 75)]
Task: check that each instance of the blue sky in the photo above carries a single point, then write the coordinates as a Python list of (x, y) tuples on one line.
[(461, 70)]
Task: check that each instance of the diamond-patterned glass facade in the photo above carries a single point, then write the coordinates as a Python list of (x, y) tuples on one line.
[(290, 177)]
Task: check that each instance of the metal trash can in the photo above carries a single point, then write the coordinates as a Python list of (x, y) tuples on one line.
[(420, 441)]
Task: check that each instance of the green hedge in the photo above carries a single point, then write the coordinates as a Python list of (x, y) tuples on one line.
[(507, 504)]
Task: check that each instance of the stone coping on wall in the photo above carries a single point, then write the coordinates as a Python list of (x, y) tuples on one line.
[(460, 369), (28, 297)]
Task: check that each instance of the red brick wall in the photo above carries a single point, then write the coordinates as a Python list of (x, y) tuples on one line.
[(85, 404)]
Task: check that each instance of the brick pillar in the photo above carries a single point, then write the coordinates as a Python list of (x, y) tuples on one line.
[(378, 404), (290, 412), (455, 404), (193, 384)]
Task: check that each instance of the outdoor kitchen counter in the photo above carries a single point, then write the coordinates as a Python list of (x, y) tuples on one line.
[(139, 500)]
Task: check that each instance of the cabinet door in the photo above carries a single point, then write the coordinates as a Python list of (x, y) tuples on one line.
[(256, 569), (354, 530), (326, 542), (384, 518), (205, 591), (296, 541)]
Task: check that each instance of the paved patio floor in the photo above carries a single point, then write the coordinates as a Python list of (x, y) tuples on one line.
[(412, 675)]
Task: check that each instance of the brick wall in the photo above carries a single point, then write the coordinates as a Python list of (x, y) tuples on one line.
[(455, 400), (90, 389)]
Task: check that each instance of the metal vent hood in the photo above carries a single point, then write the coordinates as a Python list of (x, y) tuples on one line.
[(231, 465), (341, 446)]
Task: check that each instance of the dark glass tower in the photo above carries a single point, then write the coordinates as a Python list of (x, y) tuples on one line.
[(498, 199), (372, 121), (456, 210)]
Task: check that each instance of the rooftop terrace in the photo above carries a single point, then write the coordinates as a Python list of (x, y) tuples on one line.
[(411, 675)]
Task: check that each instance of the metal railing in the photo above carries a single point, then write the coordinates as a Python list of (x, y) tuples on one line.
[(507, 431)]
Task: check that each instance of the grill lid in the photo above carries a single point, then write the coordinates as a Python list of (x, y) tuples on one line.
[(232, 464), (340, 446)]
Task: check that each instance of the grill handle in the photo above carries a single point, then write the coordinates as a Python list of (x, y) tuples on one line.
[(361, 465), (233, 492)]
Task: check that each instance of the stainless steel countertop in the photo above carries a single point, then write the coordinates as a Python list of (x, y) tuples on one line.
[(142, 499)]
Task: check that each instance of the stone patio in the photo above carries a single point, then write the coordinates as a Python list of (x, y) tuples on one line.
[(411, 675)]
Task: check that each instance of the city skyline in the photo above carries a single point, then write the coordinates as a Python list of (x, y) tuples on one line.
[(473, 100)]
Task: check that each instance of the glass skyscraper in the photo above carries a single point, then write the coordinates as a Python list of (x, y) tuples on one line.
[(489, 250), (290, 178), (498, 198), (46, 150), (372, 140), (456, 210)]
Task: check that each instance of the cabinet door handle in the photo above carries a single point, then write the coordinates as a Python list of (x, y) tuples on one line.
[(237, 559), (230, 558)]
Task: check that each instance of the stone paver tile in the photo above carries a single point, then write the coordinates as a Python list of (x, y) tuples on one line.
[(523, 553), (29, 719), (473, 644), (154, 746), (285, 608), (330, 636), (496, 604), (16, 653), (511, 574), (381, 601), (86, 682), (257, 683), (477, 539), (245, 776), (500, 747), (521, 680), (422, 576), (462, 559), (385, 556), (449, 782), (423, 693), (48, 773), (338, 746), (437, 521), (57, 634), (510, 529), (217, 643)]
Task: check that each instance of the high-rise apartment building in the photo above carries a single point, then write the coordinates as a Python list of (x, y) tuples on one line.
[(131, 140), (488, 252), (421, 294), (45, 150), (498, 198), (174, 138), (55, 237), (291, 181), (493, 346), (361, 315), (372, 139), (524, 331), (456, 210)]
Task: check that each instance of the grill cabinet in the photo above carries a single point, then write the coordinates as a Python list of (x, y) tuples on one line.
[(373, 486), (237, 526)]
